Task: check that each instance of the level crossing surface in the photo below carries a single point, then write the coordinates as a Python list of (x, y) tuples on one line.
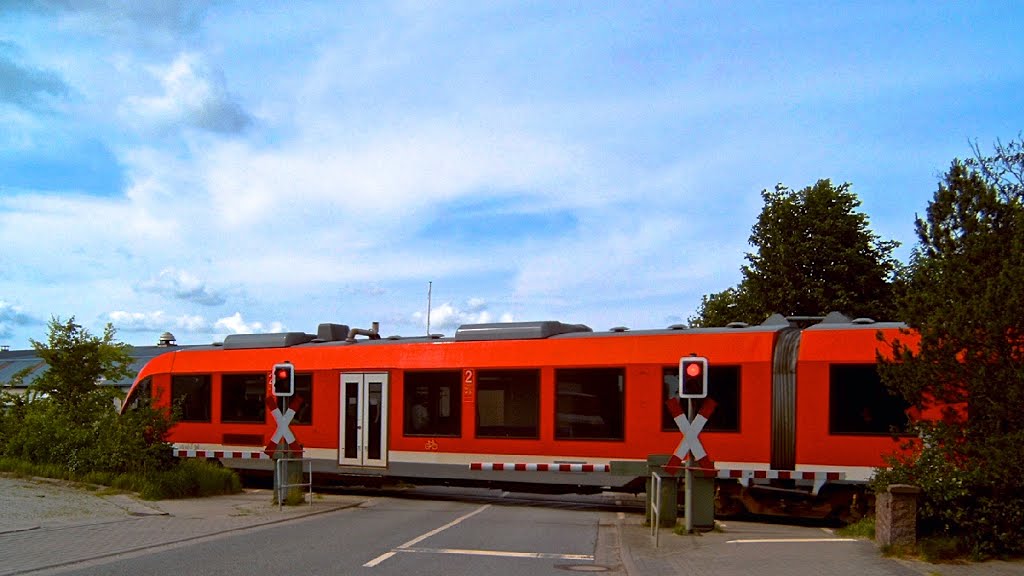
[(487, 532)]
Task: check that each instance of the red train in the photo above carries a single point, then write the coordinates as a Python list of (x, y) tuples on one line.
[(801, 417)]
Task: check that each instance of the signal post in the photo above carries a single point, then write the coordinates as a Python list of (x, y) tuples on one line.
[(283, 444), (699, 493)]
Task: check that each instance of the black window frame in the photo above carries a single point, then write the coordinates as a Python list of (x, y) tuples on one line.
[(183, 398), (427, 396), (235, 406), (602, 414), (304, 390), (521, 395), (859, 404)]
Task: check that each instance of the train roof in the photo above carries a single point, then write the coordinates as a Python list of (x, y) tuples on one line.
[(328, 334), (343, 335), (838, 321)]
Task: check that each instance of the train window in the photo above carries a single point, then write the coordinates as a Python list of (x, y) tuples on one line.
[(241, 398), (723, 386), (508, 403), (432, 403), (191, 395), (304, 390), (590, 404), (860, 404), (141, 395)]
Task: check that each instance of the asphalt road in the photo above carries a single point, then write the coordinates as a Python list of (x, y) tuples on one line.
[(385, 537)]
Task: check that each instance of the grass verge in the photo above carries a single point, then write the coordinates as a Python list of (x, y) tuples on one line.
[(186, 479), (863, 528)]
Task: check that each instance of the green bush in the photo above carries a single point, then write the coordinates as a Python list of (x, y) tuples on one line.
[(66, 427), (972, 493), (93, 438), (191, 478)]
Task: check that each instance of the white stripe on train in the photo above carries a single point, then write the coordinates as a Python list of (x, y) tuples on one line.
[(744, 475)]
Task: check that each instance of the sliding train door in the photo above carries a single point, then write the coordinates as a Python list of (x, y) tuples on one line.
[(364, 420)]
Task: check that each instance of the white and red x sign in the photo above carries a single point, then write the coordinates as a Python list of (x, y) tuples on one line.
[(283, 430), (690, 444)]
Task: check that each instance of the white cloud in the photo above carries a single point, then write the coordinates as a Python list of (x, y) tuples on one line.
[(194, 94), (605, 256), (386, 182), (12, 316), (447, 316), (185, 325), (183, 286), (158, 321), (234, 324)]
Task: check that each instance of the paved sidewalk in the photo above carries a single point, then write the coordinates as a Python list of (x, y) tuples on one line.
[(760, 549), (45, 524)]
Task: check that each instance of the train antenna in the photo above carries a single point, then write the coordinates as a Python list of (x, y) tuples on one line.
[(430, 289)]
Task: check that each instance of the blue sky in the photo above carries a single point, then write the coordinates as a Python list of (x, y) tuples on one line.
[(212, 167)]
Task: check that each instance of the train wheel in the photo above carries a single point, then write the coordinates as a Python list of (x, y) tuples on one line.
[(727, 500), (848, 505)]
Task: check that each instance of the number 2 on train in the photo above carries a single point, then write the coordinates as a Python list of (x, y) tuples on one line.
[(468, 384)]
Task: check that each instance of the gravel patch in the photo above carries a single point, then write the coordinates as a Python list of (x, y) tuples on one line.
[(28, 503)]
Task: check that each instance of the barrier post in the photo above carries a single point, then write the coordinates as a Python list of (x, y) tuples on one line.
[(283, 469), (654, 507), (668, 494)]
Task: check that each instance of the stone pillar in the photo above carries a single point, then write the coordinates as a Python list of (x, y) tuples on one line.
[(896, 515)]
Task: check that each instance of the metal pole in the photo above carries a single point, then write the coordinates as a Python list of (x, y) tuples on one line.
[(688, 492), (280, 472), (430, 290)]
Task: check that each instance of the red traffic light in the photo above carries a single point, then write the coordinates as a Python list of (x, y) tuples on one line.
[(283, 380), (693, 377)]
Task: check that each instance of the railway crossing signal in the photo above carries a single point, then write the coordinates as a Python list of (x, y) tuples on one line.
[(283, 441), (284, 380), (693, 377), (691, 429)]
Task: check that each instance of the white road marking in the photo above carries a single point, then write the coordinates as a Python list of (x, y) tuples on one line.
[(378, 559), (423, 537), (788, 540), (545, 555)]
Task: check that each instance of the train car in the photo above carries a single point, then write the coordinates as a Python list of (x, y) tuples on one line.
[(543, 405), (832, 419)]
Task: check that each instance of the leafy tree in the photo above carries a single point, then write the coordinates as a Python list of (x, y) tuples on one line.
[(69, 418), (77, 362), (965, 304), (816, 254)]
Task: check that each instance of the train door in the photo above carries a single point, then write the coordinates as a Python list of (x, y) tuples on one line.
[(364, 420)]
